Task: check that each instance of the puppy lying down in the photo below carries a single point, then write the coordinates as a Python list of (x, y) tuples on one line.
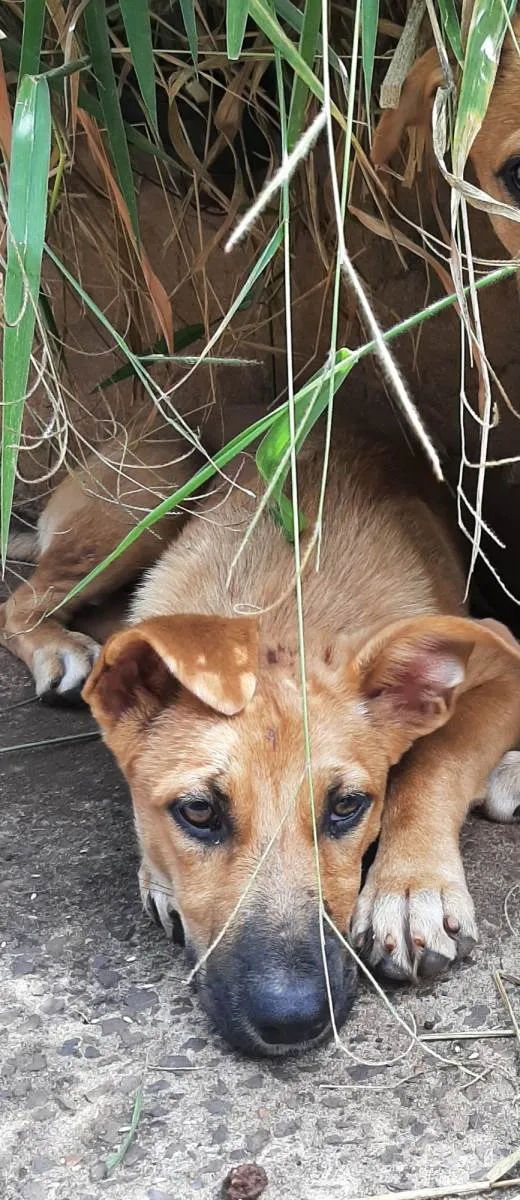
[(238, 786)]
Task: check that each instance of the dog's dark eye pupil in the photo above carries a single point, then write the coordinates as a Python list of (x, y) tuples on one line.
[(510, 174), (200, 813), (344, 811)]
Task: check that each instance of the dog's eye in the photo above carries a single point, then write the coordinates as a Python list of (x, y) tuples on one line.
[(510, 176), (199, 816), (344, 810)]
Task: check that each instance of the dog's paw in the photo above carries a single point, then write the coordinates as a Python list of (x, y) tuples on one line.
[(159, 903), (502, 799), (61, 667), (408, 932)]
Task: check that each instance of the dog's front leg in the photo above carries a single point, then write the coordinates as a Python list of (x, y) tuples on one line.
[(415, 915)]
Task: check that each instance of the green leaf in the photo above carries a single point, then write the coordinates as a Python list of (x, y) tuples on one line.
[(99, 45), (274, 452), (116, 1157), (486, 34), (33, 17), (308, 44), (451, 25), (190, 25), (294, 18), (267, 22), (236, 21), (136, 17), (26, 216), (369, 20)]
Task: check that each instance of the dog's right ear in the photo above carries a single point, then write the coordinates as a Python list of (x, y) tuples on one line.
[(414, 108), (141, 669)]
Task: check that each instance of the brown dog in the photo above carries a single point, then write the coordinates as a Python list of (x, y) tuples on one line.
[(410, 706), (495, 153)]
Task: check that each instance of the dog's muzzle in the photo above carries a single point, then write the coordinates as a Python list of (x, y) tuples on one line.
[(267, 992)]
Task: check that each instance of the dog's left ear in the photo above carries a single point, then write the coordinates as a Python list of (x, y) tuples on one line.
[(140, 669), (414, 108), (411, 674)]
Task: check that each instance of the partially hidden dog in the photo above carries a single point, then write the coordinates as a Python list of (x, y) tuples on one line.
[(239, 788), (495, 153)]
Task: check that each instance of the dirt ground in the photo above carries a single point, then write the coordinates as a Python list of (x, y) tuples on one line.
[(95, 1011)]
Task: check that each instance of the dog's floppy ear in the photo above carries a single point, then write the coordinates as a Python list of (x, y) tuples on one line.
[(410, 675), (414, 108), (140, 669)]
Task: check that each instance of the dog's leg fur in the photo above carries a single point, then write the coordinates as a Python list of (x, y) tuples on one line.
[(84, 521), (415, 914)]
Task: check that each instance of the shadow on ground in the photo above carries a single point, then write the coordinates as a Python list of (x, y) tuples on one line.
[(94, 1008)]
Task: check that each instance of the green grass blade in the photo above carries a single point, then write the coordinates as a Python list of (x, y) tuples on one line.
[(369, 20), (26, 215), (136, 17), (190, 25), (267, 22), (236, 21), (33, 17), (181, 339), (294, 18), (308, 45), (451, 25), (486, 33), (116, 1157), (99, 46), (273, 454)]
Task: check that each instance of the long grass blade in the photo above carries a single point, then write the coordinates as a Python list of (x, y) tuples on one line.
[(33, 17), (369, 19), (308, 45), (294, 19), (181, 339), (451, 25), (99, 46), (267, 22), (487, 30), (136, 17), (190, 25), (236, 21), (26, 216)]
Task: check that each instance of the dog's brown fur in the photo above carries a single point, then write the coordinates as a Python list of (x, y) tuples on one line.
[(409, 703), (497, 143)]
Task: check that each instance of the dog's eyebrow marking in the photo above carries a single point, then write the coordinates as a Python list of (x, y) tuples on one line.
[(327, 657), (272, 656), (271, 737)]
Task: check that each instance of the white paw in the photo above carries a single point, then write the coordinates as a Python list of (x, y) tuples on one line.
[(61, 666), (409, 932), (158, 901), (502, 799)]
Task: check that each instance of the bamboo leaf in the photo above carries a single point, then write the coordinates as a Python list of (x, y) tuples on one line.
[(136, 17), (190, 25), (294, 18), (26, 216), (451, 25), (308, 44), (369, 20), (99, 45), (236, 21), (486, 34), (33, 17)]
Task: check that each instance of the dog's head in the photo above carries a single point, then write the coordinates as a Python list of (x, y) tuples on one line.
[(234, 801), (495, 153)]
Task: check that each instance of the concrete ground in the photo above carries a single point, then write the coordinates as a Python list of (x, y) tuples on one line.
[(94, 1010)]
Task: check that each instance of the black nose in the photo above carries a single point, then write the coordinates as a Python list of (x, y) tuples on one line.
[(288, 1007)]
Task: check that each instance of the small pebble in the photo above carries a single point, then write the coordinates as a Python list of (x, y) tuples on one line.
[(246, 1182)]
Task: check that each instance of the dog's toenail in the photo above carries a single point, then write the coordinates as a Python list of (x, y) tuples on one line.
[(452, 925), (419, 941), (433, 964), (465, 945), (389, 943)]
